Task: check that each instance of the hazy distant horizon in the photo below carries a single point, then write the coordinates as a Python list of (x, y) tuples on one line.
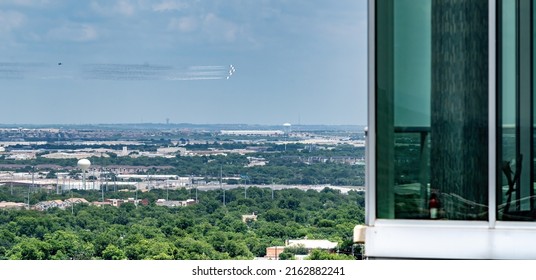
[(245, 125)]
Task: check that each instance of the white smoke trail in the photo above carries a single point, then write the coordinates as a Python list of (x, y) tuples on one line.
[(113, 71)]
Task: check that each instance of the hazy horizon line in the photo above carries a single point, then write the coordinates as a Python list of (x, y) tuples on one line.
[(171, 124)]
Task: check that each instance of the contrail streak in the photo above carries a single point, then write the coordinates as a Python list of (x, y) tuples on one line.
[(207, 67), (113, 71)]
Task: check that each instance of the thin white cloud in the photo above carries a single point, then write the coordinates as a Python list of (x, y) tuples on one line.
[(169, 5), (185, 24), (74, 32), (219, 28), (29, 3), (212, 27), (88, 33), (99, 9), (125, 7), (110, 8), (10, 20)]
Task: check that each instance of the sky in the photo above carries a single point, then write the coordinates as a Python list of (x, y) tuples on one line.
[(203, 62)]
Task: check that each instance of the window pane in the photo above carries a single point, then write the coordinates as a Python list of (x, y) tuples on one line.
[(431, 122), (515, 196)]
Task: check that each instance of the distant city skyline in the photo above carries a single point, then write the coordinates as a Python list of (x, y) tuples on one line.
[(210, 62), (186, 126)]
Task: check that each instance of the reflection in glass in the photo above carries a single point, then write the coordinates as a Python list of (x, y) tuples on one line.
[(515, 193), (431, 98)]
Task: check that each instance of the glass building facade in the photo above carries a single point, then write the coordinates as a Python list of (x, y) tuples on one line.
[(451, 128)]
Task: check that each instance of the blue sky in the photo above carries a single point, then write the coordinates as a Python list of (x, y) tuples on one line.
[(127, 61)]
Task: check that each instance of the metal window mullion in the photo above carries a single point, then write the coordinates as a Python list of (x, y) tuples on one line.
[(370, 165), (492, 113)]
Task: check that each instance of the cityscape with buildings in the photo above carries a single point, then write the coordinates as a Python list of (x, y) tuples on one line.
[(243, 170), (182, 130)]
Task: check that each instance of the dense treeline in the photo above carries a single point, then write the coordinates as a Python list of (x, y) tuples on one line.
[(207, 230)]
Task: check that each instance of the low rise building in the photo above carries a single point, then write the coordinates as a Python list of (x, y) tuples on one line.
[(76, 200), (311, 244), (175, 203), (252, 132), (101, 203), (45, 205), (118, 202), (246, 218), (273, 252), (12, 205), (305, 245)]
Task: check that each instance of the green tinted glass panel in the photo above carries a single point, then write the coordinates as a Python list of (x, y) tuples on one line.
[(515, 191), (431, 109), (412, 62)]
